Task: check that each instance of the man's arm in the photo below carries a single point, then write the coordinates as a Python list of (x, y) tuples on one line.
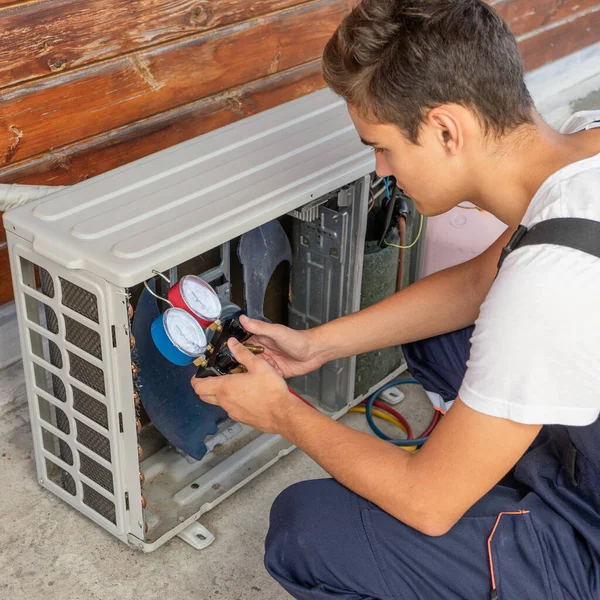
[(465, 456), (443, 302)]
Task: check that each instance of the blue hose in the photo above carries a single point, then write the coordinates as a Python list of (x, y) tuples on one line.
[(376, 430)]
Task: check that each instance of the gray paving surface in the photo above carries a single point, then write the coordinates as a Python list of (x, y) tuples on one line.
[(50, 552)]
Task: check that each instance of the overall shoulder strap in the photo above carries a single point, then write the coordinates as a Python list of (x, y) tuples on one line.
[(580, 234)]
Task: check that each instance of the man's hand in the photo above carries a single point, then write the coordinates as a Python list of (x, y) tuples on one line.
[(288, 351), (258, 398)]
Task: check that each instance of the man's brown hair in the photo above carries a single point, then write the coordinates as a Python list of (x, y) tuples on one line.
[(393, 60)]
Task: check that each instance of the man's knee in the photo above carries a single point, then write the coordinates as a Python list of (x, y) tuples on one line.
[(289, 535)]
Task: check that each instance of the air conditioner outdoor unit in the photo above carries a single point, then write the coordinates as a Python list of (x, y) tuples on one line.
[(118, 433)]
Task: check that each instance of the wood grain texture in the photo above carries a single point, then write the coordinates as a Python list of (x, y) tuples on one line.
[(37, 117), (6, 288), (107, 151), (525, 16), (48, 36), (562, 38)]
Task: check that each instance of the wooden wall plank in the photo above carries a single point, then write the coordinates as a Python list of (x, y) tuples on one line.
[(102, 153), (525, 16), (560, 39), (56, 111), (6, 288), (95, 156), (48, 36)]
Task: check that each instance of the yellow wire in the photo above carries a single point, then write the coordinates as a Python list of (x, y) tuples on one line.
[(386, 417), (416, 239)]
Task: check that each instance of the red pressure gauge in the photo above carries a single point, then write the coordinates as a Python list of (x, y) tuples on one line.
[(196, 297)]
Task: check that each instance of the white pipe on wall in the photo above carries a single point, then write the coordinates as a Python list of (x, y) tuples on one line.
[(13, 195)]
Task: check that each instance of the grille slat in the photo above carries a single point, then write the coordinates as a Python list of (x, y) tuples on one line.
[(90, 407), (99, 503), (96, 472), (93, 440), (83, 337), (87, 373), (81, 301)]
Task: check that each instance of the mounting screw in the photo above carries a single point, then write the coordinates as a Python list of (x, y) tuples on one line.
[(140, 523), (141, 546), (181, 519), (41, 482)]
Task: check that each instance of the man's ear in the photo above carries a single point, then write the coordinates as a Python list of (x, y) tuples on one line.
[(447, 127)]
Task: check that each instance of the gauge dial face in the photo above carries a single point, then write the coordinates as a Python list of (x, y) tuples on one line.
[(184, 331), (200, 297)]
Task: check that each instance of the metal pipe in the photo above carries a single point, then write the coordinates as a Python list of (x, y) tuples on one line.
[(402, 232)]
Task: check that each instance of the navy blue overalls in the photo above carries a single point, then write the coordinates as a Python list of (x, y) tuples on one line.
[(536, 535)]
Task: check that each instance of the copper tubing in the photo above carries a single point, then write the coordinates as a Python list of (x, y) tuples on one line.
[(402, 232), (138, 426), (140, 452), (131, 341), (142, 479), (134, 370), (136, 399), (143, 502), (146, 528), (130, 311)]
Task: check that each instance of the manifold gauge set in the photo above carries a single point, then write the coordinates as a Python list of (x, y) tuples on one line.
[(182, 333)]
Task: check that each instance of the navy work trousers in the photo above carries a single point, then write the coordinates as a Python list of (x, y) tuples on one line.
[(327, 543)]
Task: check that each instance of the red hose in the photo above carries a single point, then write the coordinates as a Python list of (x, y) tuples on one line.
[(389, 410), (394, 413), (300, 397), (434, 422)]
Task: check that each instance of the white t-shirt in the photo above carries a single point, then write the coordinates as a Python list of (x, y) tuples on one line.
[(535, 354)]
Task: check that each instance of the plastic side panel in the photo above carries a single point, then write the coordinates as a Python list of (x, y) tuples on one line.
[(67, 345)]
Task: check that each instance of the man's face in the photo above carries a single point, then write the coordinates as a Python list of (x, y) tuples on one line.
[(432, 173)]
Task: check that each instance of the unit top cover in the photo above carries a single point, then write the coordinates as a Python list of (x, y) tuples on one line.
[(166, 208)]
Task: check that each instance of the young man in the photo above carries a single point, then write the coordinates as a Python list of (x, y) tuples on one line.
[(504, 498)]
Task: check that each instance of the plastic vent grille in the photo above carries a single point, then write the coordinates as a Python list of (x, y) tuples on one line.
[(79, 300), (86, 339), (90, 468), (47, 283), (99, 503), (93, 440), (90, 407), (87, 373), (83, 337)]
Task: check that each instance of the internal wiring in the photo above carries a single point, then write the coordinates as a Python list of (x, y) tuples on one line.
[(161, 275), (415, 240), (156, 295)]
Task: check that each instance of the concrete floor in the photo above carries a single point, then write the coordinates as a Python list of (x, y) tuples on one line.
[(48, 551)]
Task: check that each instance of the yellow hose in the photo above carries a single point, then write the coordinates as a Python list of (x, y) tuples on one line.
[(386, 417)]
